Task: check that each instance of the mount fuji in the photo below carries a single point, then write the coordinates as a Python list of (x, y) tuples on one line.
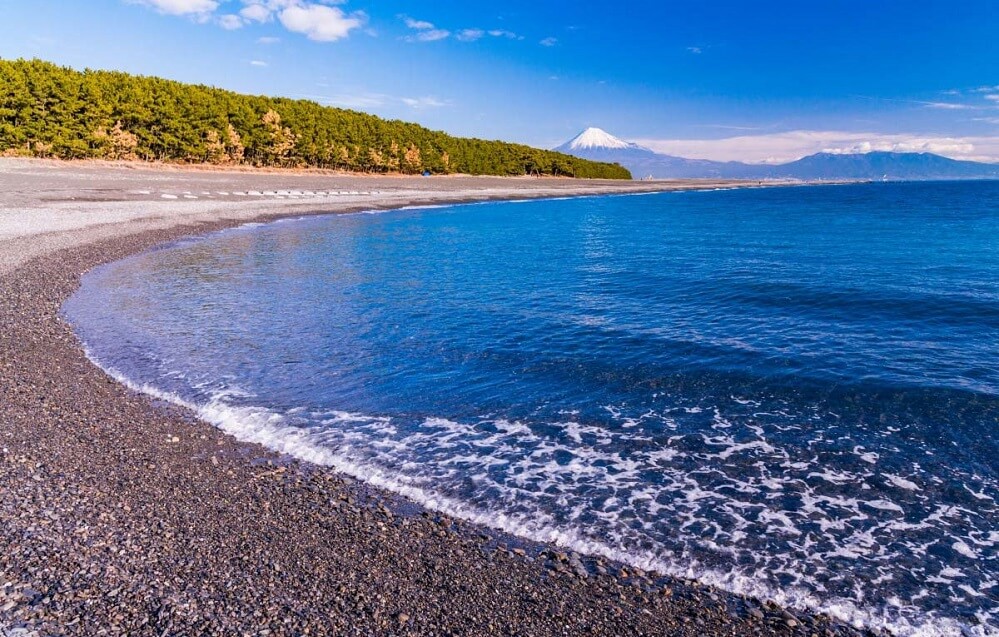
[(599, 145), (597, 139)]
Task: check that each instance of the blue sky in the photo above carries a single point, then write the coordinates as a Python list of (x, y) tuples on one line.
[(752, 80)]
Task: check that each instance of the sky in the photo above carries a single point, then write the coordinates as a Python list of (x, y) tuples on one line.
[(751, 80)]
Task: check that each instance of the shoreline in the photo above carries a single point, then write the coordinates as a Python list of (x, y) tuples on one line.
[(127, 514), (48, 205)]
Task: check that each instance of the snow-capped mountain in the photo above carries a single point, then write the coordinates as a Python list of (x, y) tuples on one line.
[(596, 138), (599, 145)]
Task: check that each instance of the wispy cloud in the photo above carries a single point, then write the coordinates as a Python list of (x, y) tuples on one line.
[(470, 35), (424, 102), (503, 33), (938, 105), (696, 50), (260, 63), (948, 106), (431, 35), (424, 31), (268, 40), (549, 42), (419, 25), (791, 145)]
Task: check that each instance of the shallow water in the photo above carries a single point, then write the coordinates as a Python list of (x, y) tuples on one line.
[(787, 392)]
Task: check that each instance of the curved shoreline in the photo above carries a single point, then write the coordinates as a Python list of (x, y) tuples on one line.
[(126, 514)]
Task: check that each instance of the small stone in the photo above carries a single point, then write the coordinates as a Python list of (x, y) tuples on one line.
[(403, 618)]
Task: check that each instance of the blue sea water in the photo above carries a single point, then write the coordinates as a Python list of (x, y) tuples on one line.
[(788, 392)]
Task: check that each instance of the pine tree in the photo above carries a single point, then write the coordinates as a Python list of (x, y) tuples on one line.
[(46, 110)]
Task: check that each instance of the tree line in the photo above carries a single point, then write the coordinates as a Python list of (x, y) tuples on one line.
[(52, 111)]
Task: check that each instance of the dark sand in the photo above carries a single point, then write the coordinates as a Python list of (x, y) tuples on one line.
[(126, 516)]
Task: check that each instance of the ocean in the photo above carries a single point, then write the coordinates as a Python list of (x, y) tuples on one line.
[(786, 392)]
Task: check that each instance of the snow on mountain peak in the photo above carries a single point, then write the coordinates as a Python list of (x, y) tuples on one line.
[(597, 138)]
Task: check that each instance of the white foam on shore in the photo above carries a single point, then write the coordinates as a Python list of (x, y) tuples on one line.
[(274, 431)]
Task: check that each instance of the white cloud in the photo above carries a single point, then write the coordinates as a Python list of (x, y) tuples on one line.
[(180, 7), (431, 35), (791, 145), (316, 19), (470, 35), (260, 63), (256, 12), (424, 102), (987, 93), (503, 33), (319, 22), (419, 25), (549, 42), (425, 31), (268, 40), (696, 50), (948, 106), (230, 22)]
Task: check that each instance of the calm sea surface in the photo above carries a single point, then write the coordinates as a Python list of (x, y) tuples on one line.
[(788, 392)]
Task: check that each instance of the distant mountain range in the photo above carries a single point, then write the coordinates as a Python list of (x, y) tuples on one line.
[(599, 145)]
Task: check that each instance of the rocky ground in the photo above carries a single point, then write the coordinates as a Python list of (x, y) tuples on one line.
[(125, 516)]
